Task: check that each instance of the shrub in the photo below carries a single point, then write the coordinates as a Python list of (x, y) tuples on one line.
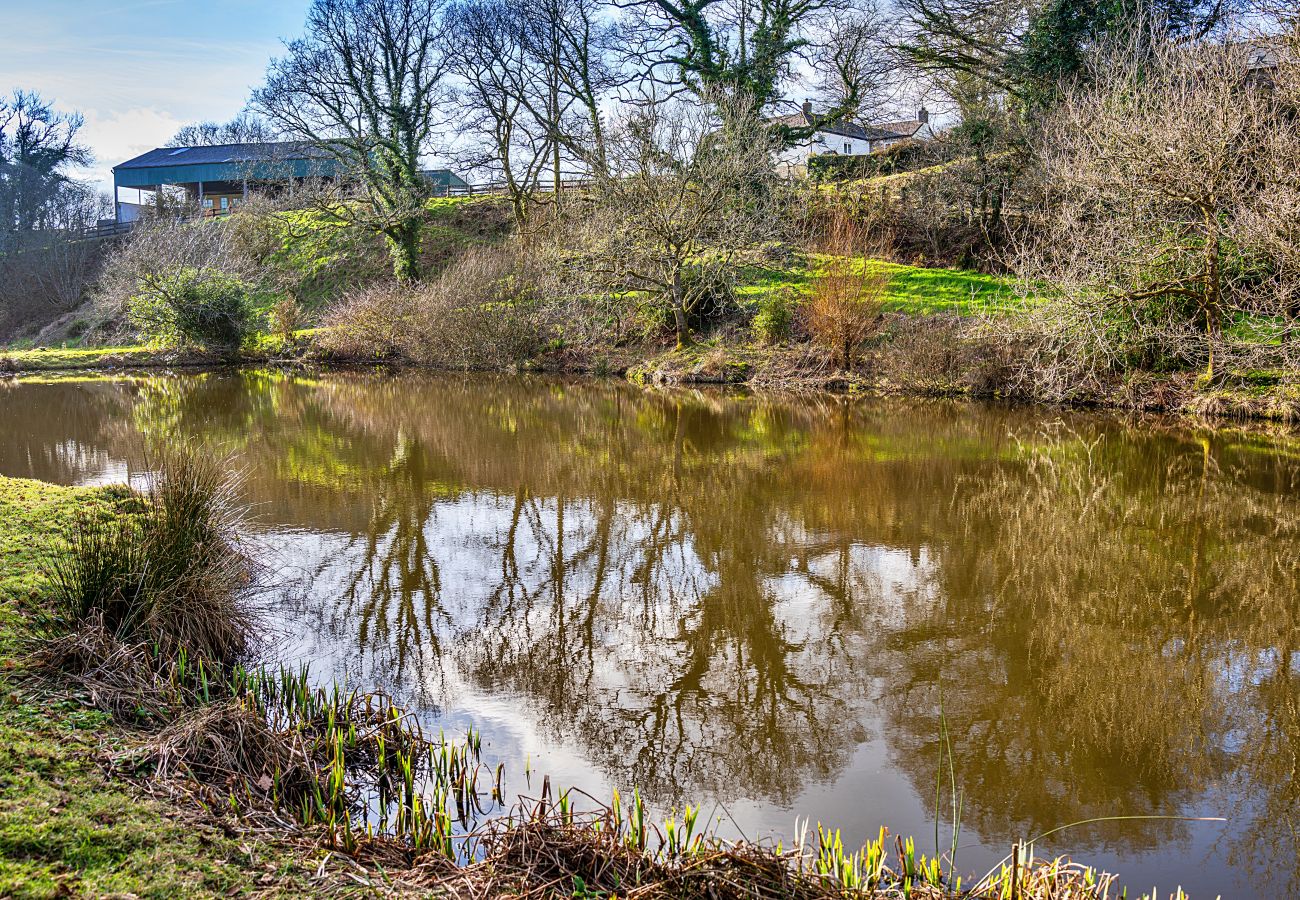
[(775, 317), (845, 306), (193, 306), (285, 319), (489, 310), (166, 571)]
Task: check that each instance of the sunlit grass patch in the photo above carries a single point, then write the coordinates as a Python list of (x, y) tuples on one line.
[(911, 289)]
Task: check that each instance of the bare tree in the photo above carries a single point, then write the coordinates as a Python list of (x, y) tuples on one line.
[(575, 45), (1162, 185), (364, 85), (689, 188), (749, 50), (245, 128), (498, 75), (535, 76), (854, 59)]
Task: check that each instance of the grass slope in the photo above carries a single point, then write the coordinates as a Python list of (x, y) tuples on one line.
[(911, 289), (317, 255), (66, 829)]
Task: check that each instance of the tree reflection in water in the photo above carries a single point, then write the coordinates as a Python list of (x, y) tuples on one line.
[(715, 596)]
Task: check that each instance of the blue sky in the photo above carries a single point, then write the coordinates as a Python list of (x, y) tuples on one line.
[(139, 70)]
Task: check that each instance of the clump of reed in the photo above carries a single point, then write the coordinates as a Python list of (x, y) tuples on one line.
[(547, 848), (166, 572), (354, 767)]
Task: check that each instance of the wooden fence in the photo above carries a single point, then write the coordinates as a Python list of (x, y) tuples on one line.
[(500, 187)]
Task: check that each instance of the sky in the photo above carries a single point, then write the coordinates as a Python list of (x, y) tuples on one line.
[(137, 71)]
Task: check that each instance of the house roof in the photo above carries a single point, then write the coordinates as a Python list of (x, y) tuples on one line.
[(803, 119), (884, 131), (280, 151), (903, 128)]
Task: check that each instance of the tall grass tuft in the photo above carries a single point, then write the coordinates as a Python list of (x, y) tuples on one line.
[(167, 570)]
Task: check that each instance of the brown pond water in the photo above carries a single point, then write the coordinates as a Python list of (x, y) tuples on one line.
[(760, 603)]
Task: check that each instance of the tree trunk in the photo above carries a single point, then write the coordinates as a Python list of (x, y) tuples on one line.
[(404, 245), (1213, 288), (679, 312)]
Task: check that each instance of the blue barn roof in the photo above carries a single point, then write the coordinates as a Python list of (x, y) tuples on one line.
[(225, 162)]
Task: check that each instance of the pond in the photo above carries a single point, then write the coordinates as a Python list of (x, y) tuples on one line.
[(774, 606)]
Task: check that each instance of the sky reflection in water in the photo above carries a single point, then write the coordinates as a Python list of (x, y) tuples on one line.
[(757, 602)]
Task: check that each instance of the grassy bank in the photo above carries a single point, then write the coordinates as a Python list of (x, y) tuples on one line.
[(67, 828), (54, 359), (912, 290)]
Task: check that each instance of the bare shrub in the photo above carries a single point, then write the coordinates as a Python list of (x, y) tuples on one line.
[(372, 322), (844, 309), (486, 311), (1162, 181), (945, 355), (489, 310)]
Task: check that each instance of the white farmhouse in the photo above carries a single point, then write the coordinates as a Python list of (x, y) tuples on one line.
[(844, 138)]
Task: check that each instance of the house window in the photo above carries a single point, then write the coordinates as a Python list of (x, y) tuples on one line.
[(848, 149)]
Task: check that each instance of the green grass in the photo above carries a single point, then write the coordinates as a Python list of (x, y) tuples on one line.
[(66, 829), (911, 289), (50, 358)]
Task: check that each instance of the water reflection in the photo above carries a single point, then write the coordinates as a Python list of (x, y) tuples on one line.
[(751, 599)]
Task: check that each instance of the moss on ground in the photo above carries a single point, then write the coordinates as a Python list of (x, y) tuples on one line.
[(66, 828)]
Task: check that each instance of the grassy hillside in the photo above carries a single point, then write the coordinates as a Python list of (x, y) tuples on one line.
[(910, 289), (317, 255)]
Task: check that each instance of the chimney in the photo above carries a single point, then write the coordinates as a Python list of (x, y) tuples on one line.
[(923, 115), (807, 110)]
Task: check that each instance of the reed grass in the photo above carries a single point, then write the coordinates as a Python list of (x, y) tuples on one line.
[(167, 572)]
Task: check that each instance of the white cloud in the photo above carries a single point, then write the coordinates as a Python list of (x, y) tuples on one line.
[(119, 136)]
